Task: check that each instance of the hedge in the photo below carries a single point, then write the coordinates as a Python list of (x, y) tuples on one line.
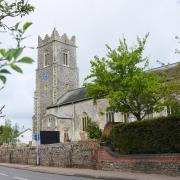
[(160, 135)]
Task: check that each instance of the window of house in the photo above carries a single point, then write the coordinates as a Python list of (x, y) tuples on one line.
[(66, 55), (109, 117), (84, 121), (46, 55)]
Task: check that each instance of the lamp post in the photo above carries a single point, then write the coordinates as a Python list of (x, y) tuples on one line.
[(37, 149), (37, 135)]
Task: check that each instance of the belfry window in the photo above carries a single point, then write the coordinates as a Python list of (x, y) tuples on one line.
[(66, 56), (46, 55)]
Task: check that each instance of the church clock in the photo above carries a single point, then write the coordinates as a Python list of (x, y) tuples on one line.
[(45, 76)]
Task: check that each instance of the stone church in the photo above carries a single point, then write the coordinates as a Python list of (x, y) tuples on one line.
[(59, 103)]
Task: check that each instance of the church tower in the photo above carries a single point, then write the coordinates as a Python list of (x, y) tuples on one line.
[(56, 73)]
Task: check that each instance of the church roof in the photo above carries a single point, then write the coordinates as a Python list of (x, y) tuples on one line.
[(172, 70), (78, 95), (167, 67), (60, 115), (72, 96)]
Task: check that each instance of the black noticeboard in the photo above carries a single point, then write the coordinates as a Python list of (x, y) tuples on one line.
[(49, 137)]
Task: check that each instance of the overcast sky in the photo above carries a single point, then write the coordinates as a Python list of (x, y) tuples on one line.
[(94, 23)]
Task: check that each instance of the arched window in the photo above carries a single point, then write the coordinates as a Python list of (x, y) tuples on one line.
[(66, 57), (49, 122), (110, 117), (66, 136), (84, 121), (46, 56)]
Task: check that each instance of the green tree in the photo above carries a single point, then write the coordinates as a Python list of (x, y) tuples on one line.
[(172, 98), (10, 58), (8, 133), (172, 77), (93, 130), (121, 78)]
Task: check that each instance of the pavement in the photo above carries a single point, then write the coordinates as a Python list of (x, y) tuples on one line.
[(19, 174), (30, 172)]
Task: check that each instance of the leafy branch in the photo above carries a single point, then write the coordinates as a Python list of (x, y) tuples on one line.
[(1, 112), (13, 9), (10, 58)]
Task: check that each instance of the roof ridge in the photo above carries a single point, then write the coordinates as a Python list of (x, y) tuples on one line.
[(164, 66), (24, 131), (75, 89), (68, 92)]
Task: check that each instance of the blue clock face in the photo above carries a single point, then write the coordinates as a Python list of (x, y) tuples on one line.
[(45, 76)]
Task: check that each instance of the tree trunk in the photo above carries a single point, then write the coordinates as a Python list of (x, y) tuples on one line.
[(138, 116)]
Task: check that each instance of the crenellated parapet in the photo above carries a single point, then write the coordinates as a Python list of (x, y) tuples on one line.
[(56, 37)]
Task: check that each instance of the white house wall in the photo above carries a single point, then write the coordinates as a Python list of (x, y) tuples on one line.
[(25, 137)]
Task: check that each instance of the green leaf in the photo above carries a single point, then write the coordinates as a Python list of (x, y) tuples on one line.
[(4, 71), (9, 54), (3, 79), (27, 60), (27, 25), (16, 26), (16, 68), (20, 31), (17, 52), (3, 52)]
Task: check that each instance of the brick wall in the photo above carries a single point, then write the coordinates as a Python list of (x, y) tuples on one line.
[(158, 163)]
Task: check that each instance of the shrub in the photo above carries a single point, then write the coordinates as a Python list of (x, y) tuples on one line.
[(105, 140), (160, 135), (93, 130)]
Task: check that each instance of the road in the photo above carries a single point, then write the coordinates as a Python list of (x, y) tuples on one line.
[(17, 174)]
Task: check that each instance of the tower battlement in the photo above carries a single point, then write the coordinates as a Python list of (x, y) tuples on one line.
[(56, 37)]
